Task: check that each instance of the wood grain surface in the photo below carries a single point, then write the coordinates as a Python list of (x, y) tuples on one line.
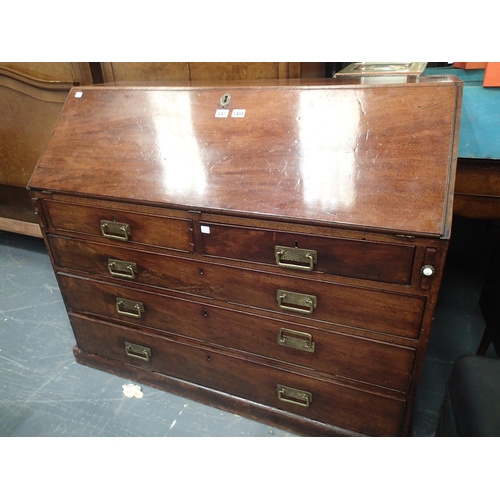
[(337, 153)]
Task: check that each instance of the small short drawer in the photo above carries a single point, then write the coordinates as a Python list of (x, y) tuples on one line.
[(338, 354), (119, 226), (378, 261), (346, 406)]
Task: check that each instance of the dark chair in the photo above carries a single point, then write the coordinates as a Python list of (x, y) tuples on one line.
[(489, 302), (471, 406)]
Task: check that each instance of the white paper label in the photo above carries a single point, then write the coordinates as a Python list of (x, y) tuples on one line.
[(205, 229), (222, 113), (78, 94), (238, 113)]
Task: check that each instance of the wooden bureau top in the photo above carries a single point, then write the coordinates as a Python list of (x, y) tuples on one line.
[(341, 153)]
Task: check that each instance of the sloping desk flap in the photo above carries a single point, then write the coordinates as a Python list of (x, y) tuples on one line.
[(341, 153)]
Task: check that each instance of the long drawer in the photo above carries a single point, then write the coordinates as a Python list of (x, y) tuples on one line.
[(344, 406), (391, 263), (358, 307), (118, 225), (335, 353)]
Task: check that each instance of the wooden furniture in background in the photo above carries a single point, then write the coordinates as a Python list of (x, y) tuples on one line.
[(120, 72), (55, 72), (477, 187), (31, 98), (275, 250), (477, 190)]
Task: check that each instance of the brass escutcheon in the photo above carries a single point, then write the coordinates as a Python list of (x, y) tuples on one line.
[(225, 99)]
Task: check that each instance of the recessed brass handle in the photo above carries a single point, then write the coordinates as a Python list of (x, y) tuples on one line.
[(137, 351), (296, 340), (122, 269), (129, 308), (115, 230), (295, 258), (294, 396), (296, 302)]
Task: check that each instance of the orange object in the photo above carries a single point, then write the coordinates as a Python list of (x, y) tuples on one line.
[(470, 65), (492, 75)]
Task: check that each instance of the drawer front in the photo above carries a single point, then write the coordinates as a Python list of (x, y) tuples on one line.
[(335, 404), (330, 352), (357, 307), (115, 225), (390, 263)]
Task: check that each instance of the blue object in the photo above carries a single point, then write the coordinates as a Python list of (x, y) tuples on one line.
[(480, 122)]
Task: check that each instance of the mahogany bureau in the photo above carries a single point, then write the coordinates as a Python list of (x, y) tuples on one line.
[(274, 249)]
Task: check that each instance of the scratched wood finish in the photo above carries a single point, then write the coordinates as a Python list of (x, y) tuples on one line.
[(374, 310), (355, 258), (363, 173), (245, 331), (363, 412), (368, 156), (155, 230)]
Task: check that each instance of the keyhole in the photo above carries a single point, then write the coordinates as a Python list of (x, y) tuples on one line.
[(296, 244), (225, 99)]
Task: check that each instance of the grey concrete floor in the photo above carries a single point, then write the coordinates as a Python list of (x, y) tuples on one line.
[(44, 392)]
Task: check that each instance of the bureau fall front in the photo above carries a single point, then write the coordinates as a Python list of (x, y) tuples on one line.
[(274, 249)]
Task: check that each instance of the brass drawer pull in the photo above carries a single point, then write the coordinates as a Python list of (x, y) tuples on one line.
[(129, 307), (298, 302), (138, 351), (122, 269), (296, 340), (115, 230), (294, 396), (285, 256)]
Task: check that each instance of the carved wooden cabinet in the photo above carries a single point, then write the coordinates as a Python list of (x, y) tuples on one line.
[(273, 249), (31, 98), (121, 72)]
